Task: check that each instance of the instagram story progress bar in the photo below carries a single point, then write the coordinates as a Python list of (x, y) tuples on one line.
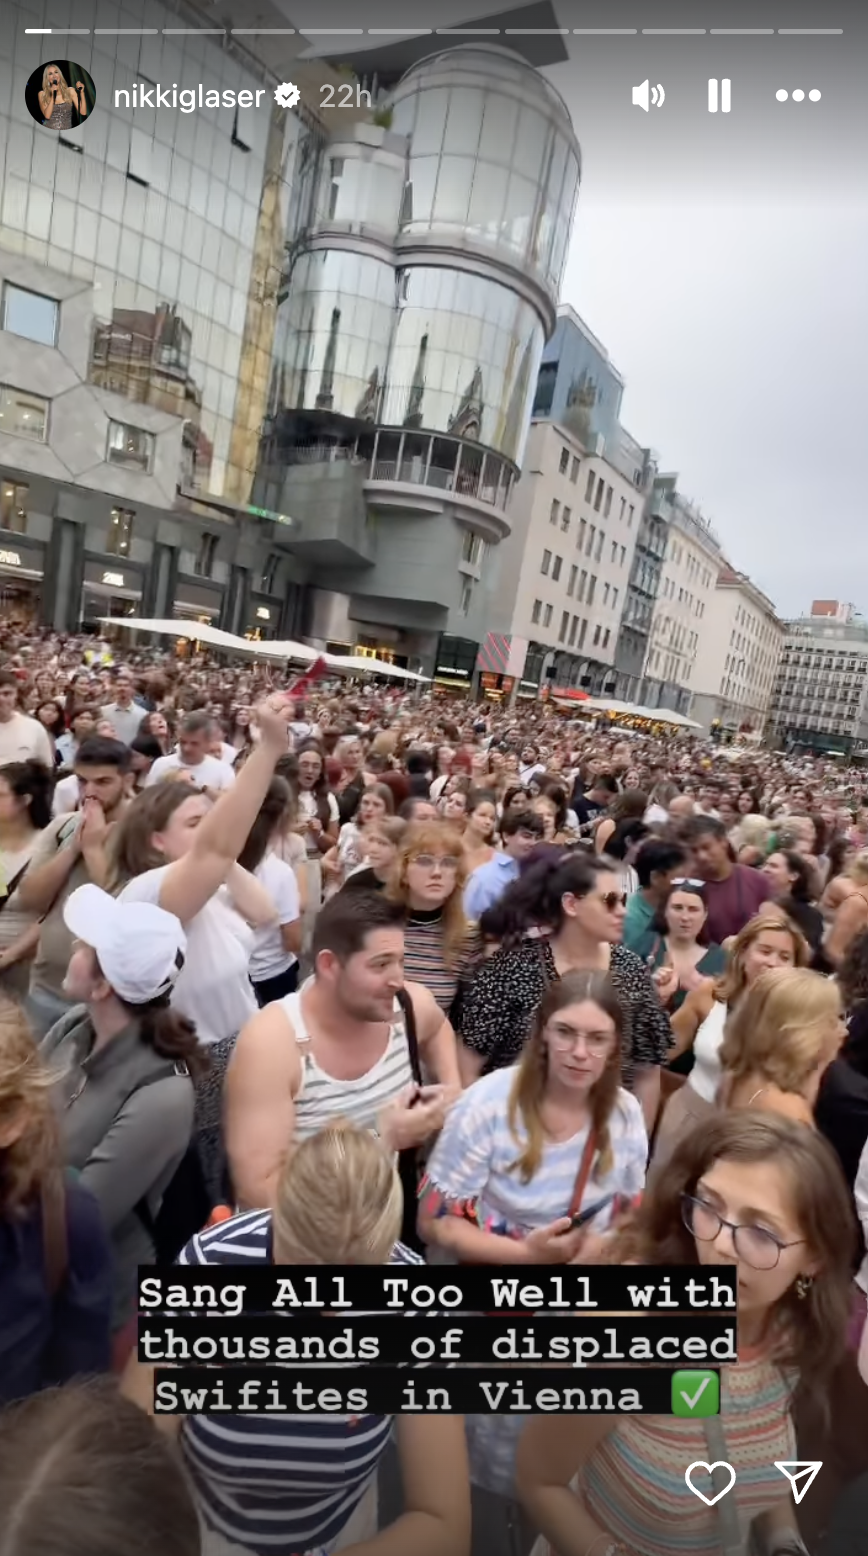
[(719, 95)]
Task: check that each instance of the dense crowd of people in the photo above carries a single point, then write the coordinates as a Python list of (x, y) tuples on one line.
[(309, 972)]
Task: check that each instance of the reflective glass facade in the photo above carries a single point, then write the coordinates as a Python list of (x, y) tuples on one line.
[(481, 155), (334, 332), (492, 155), (164, 211), (436, 349)]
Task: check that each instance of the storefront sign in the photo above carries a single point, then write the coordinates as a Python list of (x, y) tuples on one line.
[(115, 579), (10, 559)]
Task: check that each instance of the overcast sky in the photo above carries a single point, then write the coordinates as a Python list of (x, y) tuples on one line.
[(721, 260)]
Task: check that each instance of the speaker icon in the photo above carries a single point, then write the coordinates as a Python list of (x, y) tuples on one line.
[(645, 96)]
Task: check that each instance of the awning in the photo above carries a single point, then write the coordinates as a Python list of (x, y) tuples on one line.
[(227, 642)]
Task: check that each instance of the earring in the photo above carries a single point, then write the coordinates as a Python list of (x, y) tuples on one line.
[(803, 1286)]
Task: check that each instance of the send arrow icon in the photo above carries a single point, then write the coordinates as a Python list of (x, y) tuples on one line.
[(801, 1474)]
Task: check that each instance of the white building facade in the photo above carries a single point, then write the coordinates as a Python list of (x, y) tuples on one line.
[(563, 571), (737, 658), (691, 564)]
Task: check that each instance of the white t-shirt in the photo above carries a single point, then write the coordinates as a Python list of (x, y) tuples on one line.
[(23, 739), (213, 989), (269, 958), (66, 796), (210, 773)]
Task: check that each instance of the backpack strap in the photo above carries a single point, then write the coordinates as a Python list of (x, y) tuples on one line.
[(55, 1241), (409, 1014)]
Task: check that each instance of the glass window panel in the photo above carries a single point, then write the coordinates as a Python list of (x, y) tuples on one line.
[(129, 446), (454, 183), (430, 121), (245, 126), (464, 121), (520, 205), (531, 143), (499, 122), (108, 242), (86, 229), (404, 115), (488, 200), (135, 206), (423, 181), (22, 415), (62, 223)]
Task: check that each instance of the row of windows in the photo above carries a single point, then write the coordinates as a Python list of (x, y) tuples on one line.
[(25, 415), (668, 666), (573, 630), (695, 569), (684, 597), (756, 626), (14, 512), (569, 462)]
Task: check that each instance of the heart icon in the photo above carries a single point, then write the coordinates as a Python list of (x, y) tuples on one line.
[(709, 1470)]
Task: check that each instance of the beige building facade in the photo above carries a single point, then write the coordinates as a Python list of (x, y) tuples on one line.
[(563, 571), (736, 663)]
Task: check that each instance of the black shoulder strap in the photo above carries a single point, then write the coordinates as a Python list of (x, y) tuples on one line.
[(12, 886), (409, 1015)]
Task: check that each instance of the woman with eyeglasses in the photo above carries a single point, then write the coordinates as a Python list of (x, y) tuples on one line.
[(766, 941), (559, 917), (764, 1196), (525, 1152), (428, 880)]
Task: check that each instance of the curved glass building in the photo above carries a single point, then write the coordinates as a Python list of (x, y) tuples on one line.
[(413, 316)]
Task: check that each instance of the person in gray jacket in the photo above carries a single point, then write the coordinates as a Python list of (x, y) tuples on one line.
[(127, 1063)]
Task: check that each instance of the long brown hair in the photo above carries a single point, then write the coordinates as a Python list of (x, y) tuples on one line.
[(81, 1469), (810, 1330), (131, 850), (25, 1092), (422, 837), (732, 982), (527, 1094)]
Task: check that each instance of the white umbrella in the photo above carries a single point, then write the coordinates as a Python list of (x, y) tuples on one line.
[(361, 664), (665, 716)]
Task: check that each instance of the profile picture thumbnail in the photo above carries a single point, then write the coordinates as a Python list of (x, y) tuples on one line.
[(60, 95)]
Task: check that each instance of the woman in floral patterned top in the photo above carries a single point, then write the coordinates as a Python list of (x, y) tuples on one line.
[(557, 918)]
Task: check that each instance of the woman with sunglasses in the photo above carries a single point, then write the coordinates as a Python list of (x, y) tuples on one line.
[(560, 916), (764, 1196), (768, 940)]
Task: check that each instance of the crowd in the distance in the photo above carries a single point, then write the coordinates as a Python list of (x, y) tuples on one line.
[(350, 974)]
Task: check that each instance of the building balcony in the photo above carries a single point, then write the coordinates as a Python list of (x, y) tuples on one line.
[(423, 472)]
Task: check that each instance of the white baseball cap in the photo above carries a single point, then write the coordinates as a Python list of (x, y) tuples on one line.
[(140, 947)]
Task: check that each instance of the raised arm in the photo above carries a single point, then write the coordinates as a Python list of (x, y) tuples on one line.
[(191, 882), (686, 1022), (259, 1107)]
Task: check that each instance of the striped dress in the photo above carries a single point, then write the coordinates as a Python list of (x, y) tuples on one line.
[(276, 1486), (633, 1484), (323, 1098)]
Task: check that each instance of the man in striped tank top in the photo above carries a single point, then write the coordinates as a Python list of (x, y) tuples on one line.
[(342, 1047)]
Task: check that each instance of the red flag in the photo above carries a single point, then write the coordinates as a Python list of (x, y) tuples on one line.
[(305, 681)]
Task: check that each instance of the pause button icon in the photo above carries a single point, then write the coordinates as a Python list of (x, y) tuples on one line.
[(719, 95)]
